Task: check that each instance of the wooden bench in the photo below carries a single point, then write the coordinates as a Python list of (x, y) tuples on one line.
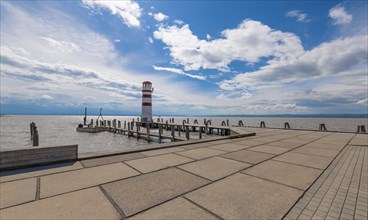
[(15, 159)]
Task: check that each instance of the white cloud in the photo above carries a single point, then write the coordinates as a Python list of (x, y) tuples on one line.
[(117, 40), (299, 15), (47, 97), (32, 67), (249, 42), (89, 98), (339, 15), (160, 17), (178, 71), (329, 77), (150, 40), (63, 46), (363, 102), (208, 37), (179, 22), (129, 11), (340, 57)]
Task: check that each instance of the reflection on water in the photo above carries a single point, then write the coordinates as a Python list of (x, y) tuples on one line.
[(61, 130)]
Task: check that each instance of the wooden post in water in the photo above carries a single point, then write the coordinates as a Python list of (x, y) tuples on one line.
[(35, 136), (129, 127), (172, 132), (125, 124), (159, 133), (114, 125), (227, 122), (187, 132), (200, 132), (223, 123), (361, 129), (322, 127), (148, 133), (263, 125), (167, 125), (138, 128), (32, 125), (187, 120), (240, 123), (286, 125), (179, 128), (119, 124)]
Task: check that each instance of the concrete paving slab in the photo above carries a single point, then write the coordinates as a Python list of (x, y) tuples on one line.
[(299, 141), (253, 142), (330, 146), (317, 151), (269, 149), (111, 159), (39, 171), (69, 181), (17, 192), (214, 168), (162, 151), (285, 173), (248, 156), (221, 142), (230, 147), (179, 209), (84, 204), (305, 160), (154, 163), (201, 153), (284, 144), (139, 193), (195, 146), (242, 196)]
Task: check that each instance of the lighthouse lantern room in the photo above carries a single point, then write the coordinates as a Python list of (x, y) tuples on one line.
[(147, 90)]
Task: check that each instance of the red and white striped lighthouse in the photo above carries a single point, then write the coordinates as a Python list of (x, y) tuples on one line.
[(147, 90)]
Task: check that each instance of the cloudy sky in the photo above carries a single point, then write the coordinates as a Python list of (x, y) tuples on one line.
[(203, 57)]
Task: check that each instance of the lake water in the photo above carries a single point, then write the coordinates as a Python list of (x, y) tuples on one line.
[(61, 130)]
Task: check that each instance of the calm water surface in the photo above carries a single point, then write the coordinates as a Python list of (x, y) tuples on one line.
[(61, 130)]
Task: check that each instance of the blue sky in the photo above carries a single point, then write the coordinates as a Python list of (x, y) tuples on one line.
[(203, 57)]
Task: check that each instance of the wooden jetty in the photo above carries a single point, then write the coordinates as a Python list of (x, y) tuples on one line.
[(134, 129)]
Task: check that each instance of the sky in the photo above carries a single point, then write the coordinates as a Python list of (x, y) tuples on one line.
[(202, 57)]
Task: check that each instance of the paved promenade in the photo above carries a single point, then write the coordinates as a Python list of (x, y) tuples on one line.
[(273, 175)]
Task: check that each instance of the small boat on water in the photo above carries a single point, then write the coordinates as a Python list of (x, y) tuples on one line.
[(89, 127)]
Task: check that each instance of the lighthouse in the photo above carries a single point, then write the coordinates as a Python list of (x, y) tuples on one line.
[(147, 90)]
